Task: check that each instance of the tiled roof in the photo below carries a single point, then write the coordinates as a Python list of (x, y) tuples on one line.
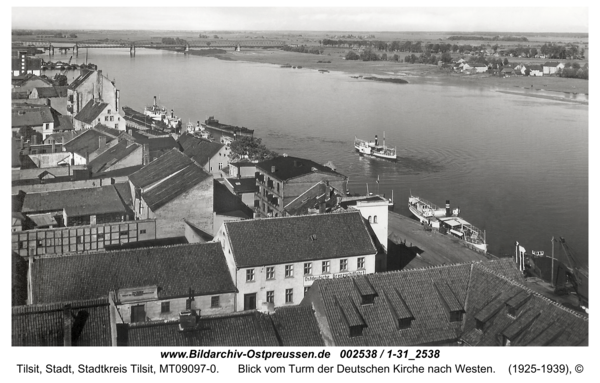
[(535, 67), (290, 239), (310, 199), (42, 325), (551, 63), (91, 111), (124, 192), (79, 80), (174, 269), (164, 192), (198, 149), (159, 169), (241, 329), (297, 326), (538, 320), (107, 131), (112, 156), (291, 167), (76, 202), (33, 116)]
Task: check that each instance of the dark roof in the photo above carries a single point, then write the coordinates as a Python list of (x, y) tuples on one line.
[(551, 63), (79, 80), (206, 237), (535, 67), (297, 326), (287, 167), (31, 116), (124, 192), (415, 294), (174, 269), (91, 111), (198, 149), (19, 279), (63, 123), (225, 202), (538, 321), (243, 185), (113, 156), (16, 152), (157, 170), (311, 199), (42, 325), (288, 239), (163, 193), (245, 328), (52, 91), (76, 202), (86, 142)]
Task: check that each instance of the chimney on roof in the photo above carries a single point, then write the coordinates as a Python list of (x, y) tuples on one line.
[(100, 85), (53, 146), (448, 211), (67, 326), (273, 169), (188, 320), (101, 142), (145, 154)]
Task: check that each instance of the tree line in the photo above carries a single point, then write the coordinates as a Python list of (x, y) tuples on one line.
[(173, 41), (303, 49), (495, 38)]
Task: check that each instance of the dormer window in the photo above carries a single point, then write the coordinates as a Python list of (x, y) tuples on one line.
[(368, 299), (356, 331)]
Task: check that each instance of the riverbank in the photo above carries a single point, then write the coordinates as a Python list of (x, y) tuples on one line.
[(413, 73)]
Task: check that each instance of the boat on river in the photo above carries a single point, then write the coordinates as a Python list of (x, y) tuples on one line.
[(447, 220), (372, 148), (159, 113)]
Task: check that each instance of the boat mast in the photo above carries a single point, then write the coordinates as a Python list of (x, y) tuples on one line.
[(384, 139)]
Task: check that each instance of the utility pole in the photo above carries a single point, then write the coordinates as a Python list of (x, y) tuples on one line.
[(552, 264)]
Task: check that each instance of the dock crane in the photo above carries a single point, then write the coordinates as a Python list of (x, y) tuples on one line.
[(575, 274)]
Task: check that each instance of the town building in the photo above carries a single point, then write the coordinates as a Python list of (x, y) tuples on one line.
[(243, 188), (93, 85), (475, 304), (284, 178), (76, 207), (552, 67), (535, 70), (23, 64), (97, 112), (211, 156), (39, 119), (227, 206), (82, 145), (275, 260), (148, 284), (54, 96), (374, 209), (171, 189), (287, 326)]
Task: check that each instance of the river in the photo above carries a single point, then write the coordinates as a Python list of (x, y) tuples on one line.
[(516, 166)]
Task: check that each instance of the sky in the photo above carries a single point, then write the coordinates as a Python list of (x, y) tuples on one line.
[(327, 18)]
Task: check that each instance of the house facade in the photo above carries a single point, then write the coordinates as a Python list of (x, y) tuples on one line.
[(97, 112), (274, 261), (92, 85), (284, 178), (552, 67), (40, 119)]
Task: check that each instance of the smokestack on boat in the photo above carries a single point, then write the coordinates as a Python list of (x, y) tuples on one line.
[(448, 211), (154, 100), (375, 140), (172, 114)]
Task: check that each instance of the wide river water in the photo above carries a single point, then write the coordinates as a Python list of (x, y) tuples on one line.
[(516, 166)]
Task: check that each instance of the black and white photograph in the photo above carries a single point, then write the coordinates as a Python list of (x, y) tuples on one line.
[(253, 189)]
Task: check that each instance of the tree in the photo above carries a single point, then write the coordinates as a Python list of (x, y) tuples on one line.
[(60, 80), (208, 44), (250, 148), (351, 55), (446, 57), (505, 61)]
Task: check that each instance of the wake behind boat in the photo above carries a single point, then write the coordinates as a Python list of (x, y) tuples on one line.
[(447, 220), (372, 148)]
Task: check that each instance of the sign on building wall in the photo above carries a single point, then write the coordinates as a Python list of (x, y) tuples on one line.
[(137, 294), (308, 280)]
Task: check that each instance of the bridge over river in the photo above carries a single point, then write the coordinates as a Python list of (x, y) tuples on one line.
[(65, 46)]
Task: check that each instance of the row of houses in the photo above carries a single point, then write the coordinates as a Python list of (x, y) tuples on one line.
[(548, 68)]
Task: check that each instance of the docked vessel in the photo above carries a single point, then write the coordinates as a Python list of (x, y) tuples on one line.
[(214, 125), (447, 220), (159, 113), (372, 148)]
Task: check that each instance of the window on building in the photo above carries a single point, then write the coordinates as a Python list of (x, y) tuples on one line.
[(165, 307), (325, 267), (374, 219), (143, 231), (370, 219), (360, 263), (215, 301), (289, 295), (271, 296), (138, 314), (270, 272), (108, 111), (343, 265), (289, 271), (308, 268), (105, 118), (220, 165), (250, 275)]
